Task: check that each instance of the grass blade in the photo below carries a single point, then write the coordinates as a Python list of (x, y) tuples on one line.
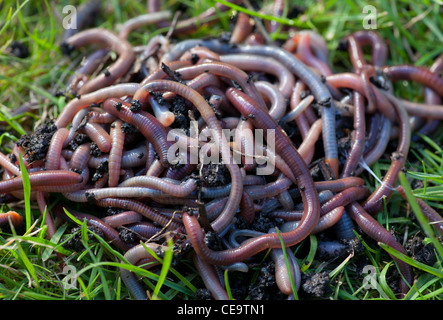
[(26, 192), (424, 223)]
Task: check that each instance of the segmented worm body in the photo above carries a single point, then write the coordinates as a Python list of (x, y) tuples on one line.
[(216, 143)]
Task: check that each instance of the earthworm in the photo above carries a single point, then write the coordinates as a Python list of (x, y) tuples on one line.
[(100, 117), (339, 184), (98, 135), (134, 255), (372, 155), (247, 210), (354, 81), (317, 44), (210, 278), (6, 163), (130, 158), (75, 125), (85, 100), (142, 20), (243, 27), (143, 229), (226, 70), (139, 207), (415, 73), (110, 233), (89, 65), (208, 115), (244, 143), (282, 273), (270, 92), (41, 179), (115, 154), (113, 144), (177, 190), (55, 148), (147, 124), (109, 39), (373, 229), (344, 228), (308, 145), (305, 55), (80, 157), (319, 90), (341, 199), (11, 216), (250, 62), (386, 188), (298, 109), (286, 200), (433, 216), (309, 197), (432, 97), (123, 218), (326, 221), (379, 50), (356, 151), (364, 70), (204, 55), (86, 13)]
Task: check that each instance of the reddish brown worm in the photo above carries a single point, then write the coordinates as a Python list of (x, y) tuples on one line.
[(115, 154), (242, 29), (386, 188), (110, 233), (55, 148), (122, 218), (139, 207), (211, 120), (109, 39), (142, 20), (433, 216), (11, 216), (146, 123), (373, 229), (307, 189), (41, 179), (85, 100)]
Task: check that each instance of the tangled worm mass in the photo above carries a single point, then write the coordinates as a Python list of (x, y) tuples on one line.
[(227, 146)]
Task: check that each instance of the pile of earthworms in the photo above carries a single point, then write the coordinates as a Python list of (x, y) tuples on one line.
[(118, 154)]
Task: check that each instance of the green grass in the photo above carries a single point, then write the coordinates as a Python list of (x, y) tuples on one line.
[(30, 268)]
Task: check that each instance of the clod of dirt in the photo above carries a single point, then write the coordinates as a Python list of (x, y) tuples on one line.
[(262, 223), (214, 174), (316, 284), (129, 129), (203, 294), (100, 171), (78, 140), (36, 144), (265, 287), (213, 241), (95, 150), (128, 236), (18, 49), (75, 243), (420, 251)]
